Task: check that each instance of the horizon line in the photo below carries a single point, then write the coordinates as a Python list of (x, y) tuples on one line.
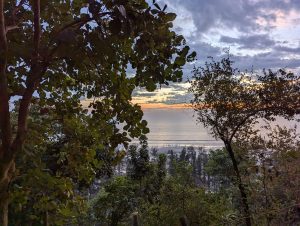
[(164, 105)]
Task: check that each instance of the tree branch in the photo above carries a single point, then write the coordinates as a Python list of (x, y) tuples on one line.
[(37, 29), (32, 81), (240, 124), (18, 92), (32, 84), (14, 21), (5, 126), (10, 28), (16, 10), (79, 22)]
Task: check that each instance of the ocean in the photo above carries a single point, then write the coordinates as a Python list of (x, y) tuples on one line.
[(178, 128)]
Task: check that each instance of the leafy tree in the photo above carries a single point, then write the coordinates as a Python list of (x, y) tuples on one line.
[(66, 155), (180, 200), (273, 175), (219, 166), (138, 162), (148, 174), (160, 199), (153, 182), (124, 195), (201, 162), (172, 160), (61, 52), (115, 202), (229, 102)]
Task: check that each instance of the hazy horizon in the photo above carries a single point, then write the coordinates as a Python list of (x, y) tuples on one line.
[(177, 126)]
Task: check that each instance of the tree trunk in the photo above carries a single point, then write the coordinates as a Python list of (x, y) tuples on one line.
[(114, 220), (46, 218), (183, 221), (240, 184), (4, 208), (7, 171), (135, 221)]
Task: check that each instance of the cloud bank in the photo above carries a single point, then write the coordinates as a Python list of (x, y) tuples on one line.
[(259, 33)]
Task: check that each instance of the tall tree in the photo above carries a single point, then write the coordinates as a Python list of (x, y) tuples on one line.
[(228, 102), (65, 157), (273, 173), (61, 52)]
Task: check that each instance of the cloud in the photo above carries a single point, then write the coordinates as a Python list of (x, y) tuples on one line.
[(258, 31), (260, 34), (175, 93), (204, 47), (207, 15), (286, 49), (259, 41), (143, 94), (243, 15), (179, 98), (268, 60)]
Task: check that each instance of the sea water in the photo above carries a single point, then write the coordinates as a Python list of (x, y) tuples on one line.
[(179, 127)]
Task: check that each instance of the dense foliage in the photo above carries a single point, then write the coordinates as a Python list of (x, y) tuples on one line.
[(57, 53), (158, 198), (269, 167), (230, 102), (67, 74)]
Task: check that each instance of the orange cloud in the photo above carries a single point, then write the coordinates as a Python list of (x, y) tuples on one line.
[(163, 106)]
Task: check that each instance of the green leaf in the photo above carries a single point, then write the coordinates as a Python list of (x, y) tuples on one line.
[(170, 16), (180, 61), (191, 57), (115, 26)]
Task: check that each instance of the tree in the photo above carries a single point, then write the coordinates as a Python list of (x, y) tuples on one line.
[(229, 102), (181, 202), (273, 175), (219, 167), (63, 52), (115, 202), (124, 195), (138, 162), (65, 157), (172, 160)]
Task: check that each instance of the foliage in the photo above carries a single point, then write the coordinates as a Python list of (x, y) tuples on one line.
[(123, 195), (229, 103), (273, 175), (138, 162), (115, 202), (179, 198), (219, 166), (62, 159), (58, 54), (157, 198)]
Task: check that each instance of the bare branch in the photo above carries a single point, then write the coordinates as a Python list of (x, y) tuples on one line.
[(10, 28)]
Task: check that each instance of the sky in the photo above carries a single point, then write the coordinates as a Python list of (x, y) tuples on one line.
[(258, 33)]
